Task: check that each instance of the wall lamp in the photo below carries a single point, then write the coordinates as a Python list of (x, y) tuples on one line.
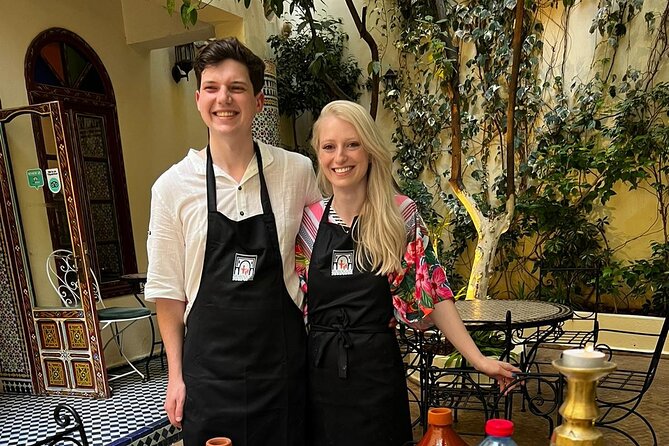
[(390, 79), (183, 61)]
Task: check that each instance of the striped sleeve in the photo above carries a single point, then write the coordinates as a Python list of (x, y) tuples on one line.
[(306, 237)]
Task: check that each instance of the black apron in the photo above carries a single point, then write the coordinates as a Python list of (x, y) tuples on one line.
[(244, 352), (357, 388)]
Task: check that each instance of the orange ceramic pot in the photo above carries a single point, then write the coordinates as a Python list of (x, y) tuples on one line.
[(219, 441)]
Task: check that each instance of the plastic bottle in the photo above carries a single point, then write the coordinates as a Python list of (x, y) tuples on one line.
[(439, 430), (219, 441), (498, 433)]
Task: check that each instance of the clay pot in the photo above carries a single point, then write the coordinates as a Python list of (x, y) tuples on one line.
[(219, 441)]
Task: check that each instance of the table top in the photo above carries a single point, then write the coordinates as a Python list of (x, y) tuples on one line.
[(524, 313), (134, 278)]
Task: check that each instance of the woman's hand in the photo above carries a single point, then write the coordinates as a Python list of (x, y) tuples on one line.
[(503, 372)]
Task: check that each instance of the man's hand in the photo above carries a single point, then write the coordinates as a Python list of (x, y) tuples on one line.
[(174, 401), (170, 319)]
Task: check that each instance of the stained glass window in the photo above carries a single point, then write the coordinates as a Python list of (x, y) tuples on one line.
[(61, 65)]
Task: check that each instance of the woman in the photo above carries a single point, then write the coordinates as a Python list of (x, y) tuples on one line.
[(356, 253)]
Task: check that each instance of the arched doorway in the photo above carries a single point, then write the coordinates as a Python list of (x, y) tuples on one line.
[(61, 66)]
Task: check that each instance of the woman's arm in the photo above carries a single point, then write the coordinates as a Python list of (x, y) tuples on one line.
[(445, 316)]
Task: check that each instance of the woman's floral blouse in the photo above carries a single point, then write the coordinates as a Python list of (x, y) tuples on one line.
[(415, 289)]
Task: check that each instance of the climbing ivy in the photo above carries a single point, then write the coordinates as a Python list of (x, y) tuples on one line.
[(577, 141)]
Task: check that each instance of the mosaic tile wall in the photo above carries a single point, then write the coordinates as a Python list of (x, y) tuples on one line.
[(266, 123), (14, 365)]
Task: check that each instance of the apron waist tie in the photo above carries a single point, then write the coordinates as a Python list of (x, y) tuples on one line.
[(343, 334)]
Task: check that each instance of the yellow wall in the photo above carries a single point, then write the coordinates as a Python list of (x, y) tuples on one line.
[(158, 119), (632, 214)]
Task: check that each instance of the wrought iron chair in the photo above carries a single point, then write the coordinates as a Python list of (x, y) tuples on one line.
[(68, 419), (410, 341), (620, 393), (541, 394), (462, 387), (579, 289), (62, 273)]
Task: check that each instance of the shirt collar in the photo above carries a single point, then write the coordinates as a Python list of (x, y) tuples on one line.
[(199, 164)]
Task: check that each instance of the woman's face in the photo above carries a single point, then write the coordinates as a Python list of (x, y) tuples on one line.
[(341, 156)]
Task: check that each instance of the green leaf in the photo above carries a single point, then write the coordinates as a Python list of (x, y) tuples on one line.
[(316, 65), (171, 6), (374, 67), (185, 15)]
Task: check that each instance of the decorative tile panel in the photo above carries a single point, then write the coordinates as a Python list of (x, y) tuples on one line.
[(266, 123), (98, 183), (83, 374), (91, 135), (49, 335), (75, 332), (55, 373), (16, 386), (13, 344)]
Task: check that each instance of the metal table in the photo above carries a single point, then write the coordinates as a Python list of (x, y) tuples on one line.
[(491, 314), (477, 314)]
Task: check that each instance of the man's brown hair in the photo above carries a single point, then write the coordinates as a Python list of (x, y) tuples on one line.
[(217, 51)]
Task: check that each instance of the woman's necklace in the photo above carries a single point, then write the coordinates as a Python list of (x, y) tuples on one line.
[(340, 221)]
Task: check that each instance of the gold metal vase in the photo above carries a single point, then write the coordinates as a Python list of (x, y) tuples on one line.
[(579, 410)]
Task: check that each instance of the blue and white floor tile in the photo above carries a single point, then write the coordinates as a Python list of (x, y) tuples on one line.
[(134, 415)]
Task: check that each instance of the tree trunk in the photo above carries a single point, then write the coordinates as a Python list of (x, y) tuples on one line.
[(488, 230), (488, 233), (360, 24)]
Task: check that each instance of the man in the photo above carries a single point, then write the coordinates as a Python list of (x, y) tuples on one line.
[(221, 263)]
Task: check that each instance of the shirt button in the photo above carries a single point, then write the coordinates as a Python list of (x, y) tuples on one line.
[(241, 213), (239, 188)]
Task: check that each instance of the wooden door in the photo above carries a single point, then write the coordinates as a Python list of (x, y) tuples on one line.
[(64, 342)]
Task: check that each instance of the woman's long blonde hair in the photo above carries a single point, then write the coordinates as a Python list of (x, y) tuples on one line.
[(380, 235)]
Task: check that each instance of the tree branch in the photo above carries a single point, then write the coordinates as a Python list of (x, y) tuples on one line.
[(516, 47), (332, 85), (374, 50)]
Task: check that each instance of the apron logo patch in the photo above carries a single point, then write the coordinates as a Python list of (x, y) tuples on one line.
[(245, 268), (342, 263)]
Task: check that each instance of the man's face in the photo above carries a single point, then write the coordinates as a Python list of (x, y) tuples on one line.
[(225, 99)]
